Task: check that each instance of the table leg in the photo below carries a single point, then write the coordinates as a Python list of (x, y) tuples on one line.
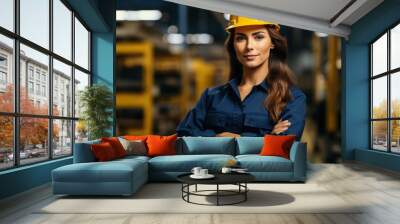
[(245, 193), (196, 188), (188, 189), (217, 194)]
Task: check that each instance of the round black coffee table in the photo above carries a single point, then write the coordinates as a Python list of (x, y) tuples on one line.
[(238, 179)]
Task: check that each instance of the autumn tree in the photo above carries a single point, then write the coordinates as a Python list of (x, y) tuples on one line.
[(380, 127), (33, 131)]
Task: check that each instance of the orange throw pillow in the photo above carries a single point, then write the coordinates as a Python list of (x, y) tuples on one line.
[(277, 145), (116, 145), (103, 151), (161, 145)]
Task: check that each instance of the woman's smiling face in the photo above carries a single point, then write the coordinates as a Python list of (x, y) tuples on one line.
[(252, 45)]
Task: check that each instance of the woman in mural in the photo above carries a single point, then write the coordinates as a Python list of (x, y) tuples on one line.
[(261, 96)]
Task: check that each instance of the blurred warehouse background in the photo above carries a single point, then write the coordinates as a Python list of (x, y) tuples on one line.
[(167, 54)]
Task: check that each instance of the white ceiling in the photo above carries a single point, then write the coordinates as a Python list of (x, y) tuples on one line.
[(324, 16)]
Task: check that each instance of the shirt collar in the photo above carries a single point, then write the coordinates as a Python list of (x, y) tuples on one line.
[(234, 83), (264, 85)]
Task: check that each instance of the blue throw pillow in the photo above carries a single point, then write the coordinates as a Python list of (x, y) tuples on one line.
[(205, 145), (249, 145)]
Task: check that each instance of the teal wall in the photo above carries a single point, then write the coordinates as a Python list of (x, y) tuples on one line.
[(99, 15), (355, 85), (24, 178), (103, 53)]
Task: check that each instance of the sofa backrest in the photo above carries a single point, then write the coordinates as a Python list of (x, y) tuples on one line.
[(205, 145), (83, 152), (249, 145)]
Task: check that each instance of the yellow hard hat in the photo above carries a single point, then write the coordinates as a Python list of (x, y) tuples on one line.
[(239, 21)]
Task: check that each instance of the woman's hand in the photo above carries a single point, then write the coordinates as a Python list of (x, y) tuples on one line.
[(281, 126), (227, 134)]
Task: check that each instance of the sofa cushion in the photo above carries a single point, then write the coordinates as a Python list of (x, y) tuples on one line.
[(132, 158), (206, 145), (249, 145), (257, 163), (111, 171), (185, 163)]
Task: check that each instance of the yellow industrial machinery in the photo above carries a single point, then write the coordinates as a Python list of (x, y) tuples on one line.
[(154, 95), (204, 75), (139, 54)]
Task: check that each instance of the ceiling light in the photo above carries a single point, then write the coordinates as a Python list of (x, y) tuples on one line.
[(139, 15), (321, 34)]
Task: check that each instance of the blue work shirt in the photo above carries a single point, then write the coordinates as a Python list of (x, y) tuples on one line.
[(220, 109)]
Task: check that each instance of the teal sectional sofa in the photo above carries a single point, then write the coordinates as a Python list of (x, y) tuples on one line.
[(125, 176)]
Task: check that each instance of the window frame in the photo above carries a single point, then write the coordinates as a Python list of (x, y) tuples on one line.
[(16, 114), (388, 74)]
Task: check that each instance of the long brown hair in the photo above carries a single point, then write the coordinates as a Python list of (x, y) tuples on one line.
[(280, 77)]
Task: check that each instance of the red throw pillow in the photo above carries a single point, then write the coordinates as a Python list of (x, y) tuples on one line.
[(277, 145), (103, 151), (116, 145), (161, 145)]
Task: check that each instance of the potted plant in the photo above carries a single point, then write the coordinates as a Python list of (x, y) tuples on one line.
[(96, 103)]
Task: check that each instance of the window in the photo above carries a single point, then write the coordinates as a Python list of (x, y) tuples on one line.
[(43, 90), (3, 78), (30, 72), (37, 74), (38, 89), (81, 45), (54, 125), (6, 73), (30, 87), (3, 72), (62, 74), (7, 14), (34, 21), (385, 94), (3, 61), (62, 29)]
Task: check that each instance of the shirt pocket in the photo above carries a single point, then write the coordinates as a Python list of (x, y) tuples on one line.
[(257, 121), (216, 120)]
